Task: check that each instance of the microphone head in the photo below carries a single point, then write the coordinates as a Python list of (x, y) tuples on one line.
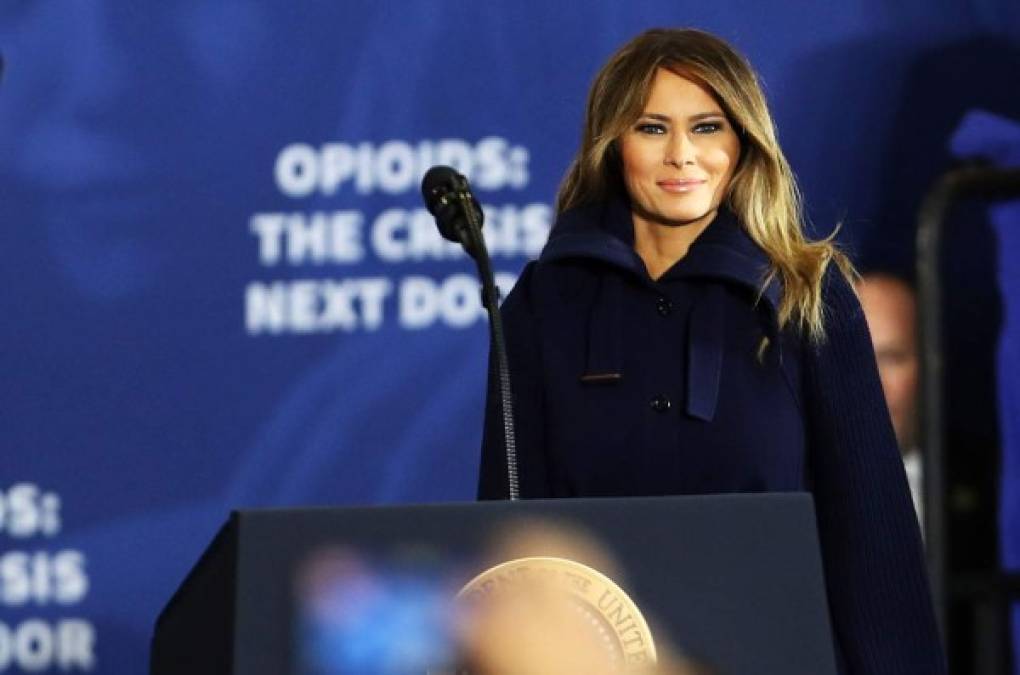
[(444, 191), (437, 183)]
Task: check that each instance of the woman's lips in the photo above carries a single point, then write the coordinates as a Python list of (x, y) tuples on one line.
[(680, 185)]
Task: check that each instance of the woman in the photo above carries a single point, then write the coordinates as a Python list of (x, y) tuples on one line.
[(680, 335)]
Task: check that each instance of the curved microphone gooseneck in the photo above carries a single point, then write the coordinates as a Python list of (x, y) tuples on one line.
[(459, 217)]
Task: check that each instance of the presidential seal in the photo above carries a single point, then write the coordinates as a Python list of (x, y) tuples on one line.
[(595, 608)]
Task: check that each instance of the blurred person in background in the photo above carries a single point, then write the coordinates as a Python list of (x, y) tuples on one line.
[(891, 312)]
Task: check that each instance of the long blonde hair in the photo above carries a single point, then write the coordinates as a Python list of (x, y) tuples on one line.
[(763, 192)]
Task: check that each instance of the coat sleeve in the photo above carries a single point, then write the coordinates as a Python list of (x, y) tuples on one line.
[(871, 546), (524, 355)]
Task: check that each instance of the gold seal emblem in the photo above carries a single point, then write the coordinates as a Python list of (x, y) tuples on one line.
[(596, 608)]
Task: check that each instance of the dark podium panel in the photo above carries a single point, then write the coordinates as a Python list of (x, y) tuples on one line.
[(734, 581)]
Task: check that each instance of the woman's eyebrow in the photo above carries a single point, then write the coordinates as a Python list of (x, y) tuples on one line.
[(706, 115), (656, 116), (693, 118)]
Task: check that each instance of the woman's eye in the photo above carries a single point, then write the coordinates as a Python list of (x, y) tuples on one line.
[(651, 129), (708, 127)]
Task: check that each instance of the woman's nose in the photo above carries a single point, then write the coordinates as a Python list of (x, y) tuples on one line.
[(679, 151)]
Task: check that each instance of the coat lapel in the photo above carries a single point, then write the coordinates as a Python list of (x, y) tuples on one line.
[(724, 252)]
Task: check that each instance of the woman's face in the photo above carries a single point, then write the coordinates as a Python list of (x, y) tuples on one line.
[(679, 156)]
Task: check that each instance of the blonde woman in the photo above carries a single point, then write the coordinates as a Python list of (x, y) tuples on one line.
[(680, 335)]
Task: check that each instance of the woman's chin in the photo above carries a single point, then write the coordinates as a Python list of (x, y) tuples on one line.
[(685, 217)]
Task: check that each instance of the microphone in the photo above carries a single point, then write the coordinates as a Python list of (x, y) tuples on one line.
[(448, 197), (459, 217)]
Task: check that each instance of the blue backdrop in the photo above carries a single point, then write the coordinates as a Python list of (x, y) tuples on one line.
[(219, 289)]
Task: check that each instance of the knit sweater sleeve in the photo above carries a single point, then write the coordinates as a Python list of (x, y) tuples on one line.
[(871, 545), (524, 356)]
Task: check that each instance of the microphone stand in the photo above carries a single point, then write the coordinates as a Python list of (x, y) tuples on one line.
[(469, 232)]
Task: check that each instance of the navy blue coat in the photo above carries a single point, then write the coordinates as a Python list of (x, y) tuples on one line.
[(628, 386)]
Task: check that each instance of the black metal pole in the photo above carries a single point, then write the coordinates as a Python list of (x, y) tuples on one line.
[(475, 245), (976, 182)]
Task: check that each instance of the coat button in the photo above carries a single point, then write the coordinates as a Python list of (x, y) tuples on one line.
[(660, 403), (663, 306)]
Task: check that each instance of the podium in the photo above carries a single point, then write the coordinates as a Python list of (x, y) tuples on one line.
[(733, 581)]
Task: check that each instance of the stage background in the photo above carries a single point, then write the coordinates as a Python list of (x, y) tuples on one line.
[(219, 289)]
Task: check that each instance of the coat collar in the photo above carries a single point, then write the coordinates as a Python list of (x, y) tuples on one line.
[(724, 251)]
